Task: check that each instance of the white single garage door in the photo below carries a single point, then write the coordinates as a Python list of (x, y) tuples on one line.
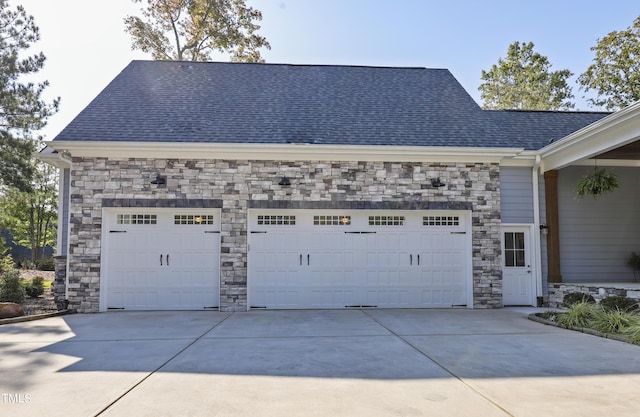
[(351, 258), (161, 259)]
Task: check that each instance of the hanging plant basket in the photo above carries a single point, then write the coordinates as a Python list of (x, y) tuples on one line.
[(598, 182)]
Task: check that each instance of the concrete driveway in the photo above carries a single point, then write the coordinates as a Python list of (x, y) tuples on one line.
[(313, 363)]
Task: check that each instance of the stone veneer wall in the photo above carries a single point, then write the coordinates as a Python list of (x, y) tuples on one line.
[(244, 184), (60, 282), (598, 291)]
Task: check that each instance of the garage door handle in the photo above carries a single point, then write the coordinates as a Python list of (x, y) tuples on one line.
[(167, 259), (418, 260), (160, 260), (308, 259), (410, 259), (300, 259)]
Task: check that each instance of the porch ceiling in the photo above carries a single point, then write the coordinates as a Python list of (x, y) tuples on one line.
[(629, 151)]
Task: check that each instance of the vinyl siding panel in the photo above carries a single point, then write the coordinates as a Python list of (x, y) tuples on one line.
[(516, 195), (596, 237)]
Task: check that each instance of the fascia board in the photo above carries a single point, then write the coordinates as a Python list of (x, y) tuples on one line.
[(243, 151), (49, 156), (611, 132), (523, 159)]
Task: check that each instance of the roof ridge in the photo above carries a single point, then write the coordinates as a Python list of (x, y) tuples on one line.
[(549, 111), (286, 64)]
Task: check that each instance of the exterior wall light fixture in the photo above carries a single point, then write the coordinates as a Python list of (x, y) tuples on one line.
[(285, 182), (436, 183), (160, 180)]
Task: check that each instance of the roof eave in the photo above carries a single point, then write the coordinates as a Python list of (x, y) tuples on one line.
[(610, 132), (53, 157), (252, 151)]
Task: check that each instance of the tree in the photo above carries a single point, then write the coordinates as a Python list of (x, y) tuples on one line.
[(191, 30), (22, 110), (32, 216), (524, 80), (615, 71)]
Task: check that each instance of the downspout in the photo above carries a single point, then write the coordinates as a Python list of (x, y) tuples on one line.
[(65, 158), (537, 253)]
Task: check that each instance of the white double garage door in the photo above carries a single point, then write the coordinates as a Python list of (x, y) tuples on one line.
[(162, 259)]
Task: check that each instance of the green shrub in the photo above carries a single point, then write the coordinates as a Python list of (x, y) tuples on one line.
[(27, 264), (634, 263), (7, 264), (579, 315), (35, 288), (609, 320), (576, 298), (46, 264), (11, 288), (619, 303)]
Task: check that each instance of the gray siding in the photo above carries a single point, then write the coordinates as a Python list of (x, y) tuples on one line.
[(516, 195), (63, 244), (596, 237)]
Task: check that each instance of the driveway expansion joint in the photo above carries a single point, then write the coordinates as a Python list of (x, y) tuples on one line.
[(462, 381), (137, 384)]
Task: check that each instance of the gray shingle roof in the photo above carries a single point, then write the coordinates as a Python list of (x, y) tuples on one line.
[(533, 130), (271, 103), (170, 101)]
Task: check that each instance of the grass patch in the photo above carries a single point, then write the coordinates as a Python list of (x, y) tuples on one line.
[(579, 315), (632, 333), (613, 320), (603, 319)]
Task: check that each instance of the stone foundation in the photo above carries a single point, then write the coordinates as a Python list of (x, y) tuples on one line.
[(597, 291)]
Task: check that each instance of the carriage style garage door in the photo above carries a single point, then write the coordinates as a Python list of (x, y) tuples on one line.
[(351, 258), (161, 259)]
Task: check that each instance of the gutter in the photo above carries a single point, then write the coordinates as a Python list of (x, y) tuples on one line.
[(271, 151)]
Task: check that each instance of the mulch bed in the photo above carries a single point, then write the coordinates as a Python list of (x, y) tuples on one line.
[(39, 307), (43, 304)]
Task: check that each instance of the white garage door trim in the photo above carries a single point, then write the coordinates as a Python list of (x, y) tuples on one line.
[(291, 260), (171, 245)]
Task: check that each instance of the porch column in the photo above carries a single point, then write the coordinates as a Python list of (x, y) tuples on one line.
[(553, 235)]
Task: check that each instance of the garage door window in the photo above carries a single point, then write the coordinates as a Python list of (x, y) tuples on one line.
[(192, 219), (441, 221), (277, 220), (332, 220), (137, 219), (386, 220)]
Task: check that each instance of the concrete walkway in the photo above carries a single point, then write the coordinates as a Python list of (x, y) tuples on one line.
[(313, 363)]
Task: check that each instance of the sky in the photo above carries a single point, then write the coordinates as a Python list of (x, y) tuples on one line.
[(86, 46)]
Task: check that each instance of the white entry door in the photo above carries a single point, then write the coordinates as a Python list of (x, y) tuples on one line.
[(161, 259), (351, 258), (517, 278)]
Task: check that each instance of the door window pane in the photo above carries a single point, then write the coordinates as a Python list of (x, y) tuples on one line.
[(514, 249)]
